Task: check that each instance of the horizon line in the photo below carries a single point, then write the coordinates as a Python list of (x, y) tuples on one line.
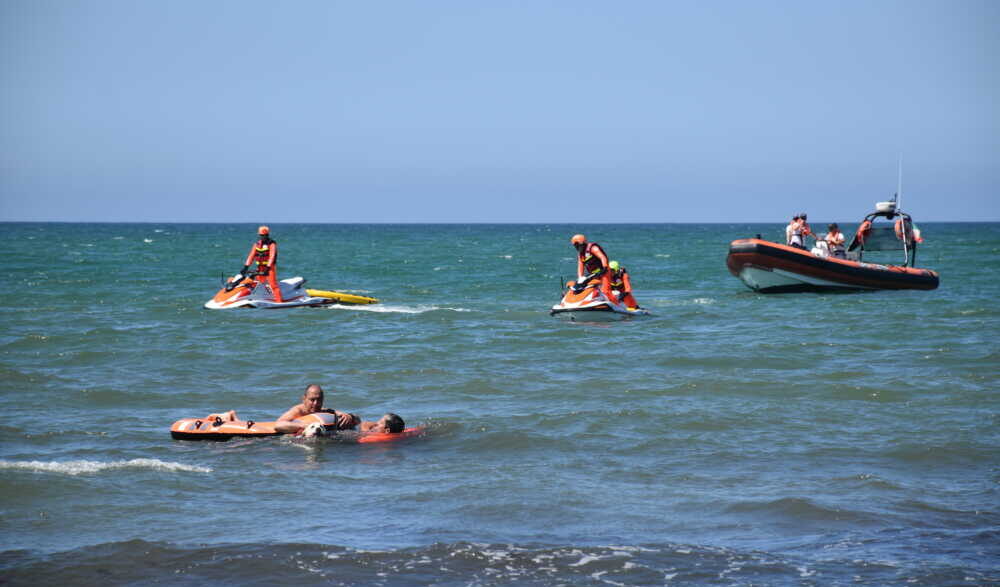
[(449, 223)]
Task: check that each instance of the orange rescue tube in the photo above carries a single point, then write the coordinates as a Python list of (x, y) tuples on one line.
[(392, 436)]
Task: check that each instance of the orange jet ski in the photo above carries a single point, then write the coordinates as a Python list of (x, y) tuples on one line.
[(245, 291), (589, 304), (218, 429)]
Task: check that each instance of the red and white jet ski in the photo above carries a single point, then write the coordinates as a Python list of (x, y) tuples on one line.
[(591, 305), (245, 292)]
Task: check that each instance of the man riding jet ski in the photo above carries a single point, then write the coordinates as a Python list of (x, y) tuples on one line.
[(265, 253), (261, 288), (590, 297), (592, 259)]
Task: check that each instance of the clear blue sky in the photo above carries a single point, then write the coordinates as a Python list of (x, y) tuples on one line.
[(326, 111)]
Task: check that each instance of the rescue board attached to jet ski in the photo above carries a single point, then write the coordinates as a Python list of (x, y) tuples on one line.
[(218, 429), (245, 292), (591, 305)]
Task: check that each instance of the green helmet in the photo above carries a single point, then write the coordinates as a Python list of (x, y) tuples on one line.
[(614, 265)]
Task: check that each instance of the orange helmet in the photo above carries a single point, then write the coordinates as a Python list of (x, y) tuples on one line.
[(263, 230), (578, 239)]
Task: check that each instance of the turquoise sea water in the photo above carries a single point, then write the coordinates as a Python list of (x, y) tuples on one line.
[(731, 438)]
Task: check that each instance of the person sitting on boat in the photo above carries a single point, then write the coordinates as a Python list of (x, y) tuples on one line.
[(387, 424), (591, 263), (835, 241), (800, 230), (312, 403), (264, 253), (621, 284)]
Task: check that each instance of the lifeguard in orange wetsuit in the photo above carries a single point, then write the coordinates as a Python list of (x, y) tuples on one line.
[(622, 284), (264, 253), (591, 263)]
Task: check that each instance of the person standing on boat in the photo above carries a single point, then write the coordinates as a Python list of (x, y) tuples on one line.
[(797, 231), (835, 241), (264, 253), (622, 284), (591, 263), (789, 229)]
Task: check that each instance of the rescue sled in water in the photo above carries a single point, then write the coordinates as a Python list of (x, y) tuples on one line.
[(769, 267), (246, 292), (591, 305), (319, 424)]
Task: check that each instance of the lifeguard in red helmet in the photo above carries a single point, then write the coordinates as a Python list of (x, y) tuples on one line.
[(622, 284), (591, 263), (264, 253)]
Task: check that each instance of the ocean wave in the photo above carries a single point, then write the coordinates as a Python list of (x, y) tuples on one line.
[(459, 563), (85, 467), (393, 309), (797, 508)]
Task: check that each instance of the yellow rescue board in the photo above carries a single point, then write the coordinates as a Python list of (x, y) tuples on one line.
[(343, 298)]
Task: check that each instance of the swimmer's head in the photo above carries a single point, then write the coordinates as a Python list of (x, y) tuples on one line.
[(391, 423)]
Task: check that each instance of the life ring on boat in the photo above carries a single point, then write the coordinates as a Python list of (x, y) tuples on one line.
[(863, 231)]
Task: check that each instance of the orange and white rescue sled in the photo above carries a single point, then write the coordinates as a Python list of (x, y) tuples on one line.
[(216, 428)]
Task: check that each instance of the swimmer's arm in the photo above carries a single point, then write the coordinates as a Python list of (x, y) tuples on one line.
[(290, 415), (286, 427), (346, 421)]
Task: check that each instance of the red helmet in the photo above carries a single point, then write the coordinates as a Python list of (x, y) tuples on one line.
[(578, 239)]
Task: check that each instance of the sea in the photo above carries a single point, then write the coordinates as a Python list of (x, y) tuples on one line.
[(731, 438)]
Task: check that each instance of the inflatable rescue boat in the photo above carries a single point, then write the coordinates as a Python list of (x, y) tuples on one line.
[(215, 428), (591, 305), (769, 267), (246, 292)]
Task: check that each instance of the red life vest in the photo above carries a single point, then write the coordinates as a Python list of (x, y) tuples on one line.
[(591, 262), (262, 253)]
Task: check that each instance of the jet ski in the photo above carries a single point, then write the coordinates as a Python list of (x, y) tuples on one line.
[(591, 305), (243, 291)]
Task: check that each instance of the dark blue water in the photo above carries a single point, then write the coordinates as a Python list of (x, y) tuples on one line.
[(731, 438)]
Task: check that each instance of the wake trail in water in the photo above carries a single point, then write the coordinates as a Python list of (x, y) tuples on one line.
[(84, 467), (395, 309)]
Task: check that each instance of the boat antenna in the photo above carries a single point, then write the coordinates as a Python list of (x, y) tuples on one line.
[(899, 184)]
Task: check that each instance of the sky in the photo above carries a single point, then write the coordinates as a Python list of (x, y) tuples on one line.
[(505, 111)]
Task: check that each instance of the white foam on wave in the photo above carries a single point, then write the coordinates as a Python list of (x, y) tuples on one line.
[(83, 467), (147, 240), (384, 308)]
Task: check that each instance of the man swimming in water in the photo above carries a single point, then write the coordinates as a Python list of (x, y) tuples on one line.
[(312, 403)]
